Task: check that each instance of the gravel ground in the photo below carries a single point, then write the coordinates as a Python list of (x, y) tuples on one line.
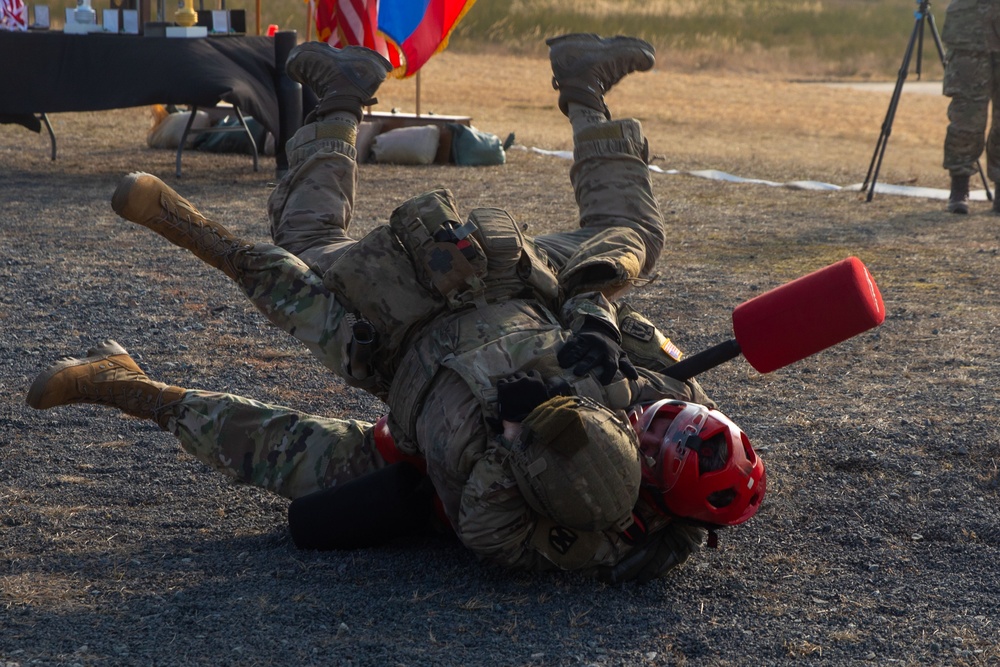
[(878, 543)]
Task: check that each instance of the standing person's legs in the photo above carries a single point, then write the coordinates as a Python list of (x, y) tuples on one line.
[(610, 173), (967, 82), (275, 448), (311, 207)]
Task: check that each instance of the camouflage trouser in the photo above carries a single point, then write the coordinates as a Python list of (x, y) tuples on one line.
[(972, 80), (275, 448), (610, 178), (293, 297), (311, 208)]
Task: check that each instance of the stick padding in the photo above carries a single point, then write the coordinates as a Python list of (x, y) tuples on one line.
[(807, 315)]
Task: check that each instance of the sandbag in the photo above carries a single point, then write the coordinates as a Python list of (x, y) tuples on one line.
[(473, 148), (167, 132), (407, 145), (367, 131)]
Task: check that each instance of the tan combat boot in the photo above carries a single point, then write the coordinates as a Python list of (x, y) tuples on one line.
[(146, 200), (106, 376), (586, 66)]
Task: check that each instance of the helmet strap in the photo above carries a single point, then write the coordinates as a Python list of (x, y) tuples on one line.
[(713, 539), (636, 532)]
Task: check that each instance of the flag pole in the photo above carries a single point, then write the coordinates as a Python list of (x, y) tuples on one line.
[(418, 93)]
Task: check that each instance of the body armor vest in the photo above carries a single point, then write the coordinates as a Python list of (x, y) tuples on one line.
[(425, 265)]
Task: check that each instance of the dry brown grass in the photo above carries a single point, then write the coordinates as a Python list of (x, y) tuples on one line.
[(761, 126)]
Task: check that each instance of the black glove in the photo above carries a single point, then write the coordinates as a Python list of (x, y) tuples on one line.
[(660, 553), (522, 392), (596, 346)]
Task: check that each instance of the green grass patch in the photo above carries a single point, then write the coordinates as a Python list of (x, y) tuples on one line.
[(844, 38), (848, 38)]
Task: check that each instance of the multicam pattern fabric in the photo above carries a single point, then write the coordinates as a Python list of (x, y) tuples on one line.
[(972, 78), (272, 447), (972, 25), (619, 216), (442, 396)]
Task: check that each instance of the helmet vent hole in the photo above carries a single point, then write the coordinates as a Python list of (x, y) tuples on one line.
[(713, 454), (722, 498)]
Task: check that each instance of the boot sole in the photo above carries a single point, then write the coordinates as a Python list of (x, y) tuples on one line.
[(37, 390), (323, 50), (307, 47), (618, 41), (119, 200)]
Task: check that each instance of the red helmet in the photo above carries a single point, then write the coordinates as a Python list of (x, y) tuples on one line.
[(697, 463)]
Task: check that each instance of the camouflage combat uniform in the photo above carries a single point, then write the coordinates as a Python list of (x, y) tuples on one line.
[(971, 36), (439, 376)]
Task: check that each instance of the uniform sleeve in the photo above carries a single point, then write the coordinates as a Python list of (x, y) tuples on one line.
[(652, 353), (964, 26), (609, 262), (466, 462), (497, 524), (590, 304)]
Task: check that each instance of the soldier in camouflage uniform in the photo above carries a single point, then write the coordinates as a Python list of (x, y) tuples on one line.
[(437, 316), (971, 79)]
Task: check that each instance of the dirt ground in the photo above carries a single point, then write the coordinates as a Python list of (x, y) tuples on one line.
[(879, 539)]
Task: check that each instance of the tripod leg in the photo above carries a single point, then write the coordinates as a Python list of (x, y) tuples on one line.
[(883, 140), (986, 185), (937, 37), (920, 50)]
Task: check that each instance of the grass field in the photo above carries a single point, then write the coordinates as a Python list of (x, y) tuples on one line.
[(845, 38), (862, 39), (880, 525), (880, 532)]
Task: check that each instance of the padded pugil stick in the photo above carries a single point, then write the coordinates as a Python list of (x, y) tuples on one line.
[(796, 320)]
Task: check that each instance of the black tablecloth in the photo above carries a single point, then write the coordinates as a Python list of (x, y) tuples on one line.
[(48, 72)]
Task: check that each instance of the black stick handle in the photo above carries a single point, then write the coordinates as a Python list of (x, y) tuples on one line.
[(688, 367)]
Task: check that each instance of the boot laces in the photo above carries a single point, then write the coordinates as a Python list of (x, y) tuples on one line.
[(180, 216), (122, 387)]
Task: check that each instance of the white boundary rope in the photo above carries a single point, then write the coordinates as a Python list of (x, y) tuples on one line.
[(714, 174)]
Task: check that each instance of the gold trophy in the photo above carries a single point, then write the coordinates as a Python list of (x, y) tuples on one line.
[(185, 16)]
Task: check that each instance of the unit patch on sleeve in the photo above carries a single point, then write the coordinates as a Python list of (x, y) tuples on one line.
[(641, 330)]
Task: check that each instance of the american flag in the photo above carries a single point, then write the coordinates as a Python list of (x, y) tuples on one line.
[(340, 23), (13, 15)]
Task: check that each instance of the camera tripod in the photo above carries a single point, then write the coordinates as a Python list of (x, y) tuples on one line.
[(923, 16)]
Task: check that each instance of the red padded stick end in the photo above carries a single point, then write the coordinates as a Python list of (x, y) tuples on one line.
[(807, 315)]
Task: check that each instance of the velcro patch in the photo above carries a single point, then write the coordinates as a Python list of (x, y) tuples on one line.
[(636, 329), (672, 350), (562, 539)]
